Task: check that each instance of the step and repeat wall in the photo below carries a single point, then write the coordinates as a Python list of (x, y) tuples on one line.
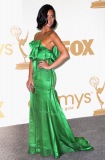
[(80, 81)]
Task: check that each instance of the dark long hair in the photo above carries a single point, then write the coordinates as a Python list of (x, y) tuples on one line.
[(42, 16)]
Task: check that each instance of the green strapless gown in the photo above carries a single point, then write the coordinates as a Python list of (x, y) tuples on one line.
[(49, 130)]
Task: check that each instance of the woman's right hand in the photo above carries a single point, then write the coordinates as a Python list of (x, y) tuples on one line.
[(29, 84)]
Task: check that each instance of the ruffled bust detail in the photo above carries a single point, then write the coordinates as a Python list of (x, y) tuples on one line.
[(55, 53), (34, 45)]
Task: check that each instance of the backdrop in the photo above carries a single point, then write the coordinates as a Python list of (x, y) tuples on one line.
[(80, 81)]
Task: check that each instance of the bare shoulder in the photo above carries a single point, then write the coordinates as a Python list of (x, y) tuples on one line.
[(54, 35), (35, 36), (55, 39)]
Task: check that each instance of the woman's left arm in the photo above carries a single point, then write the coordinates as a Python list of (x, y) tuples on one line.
[(63, 53)]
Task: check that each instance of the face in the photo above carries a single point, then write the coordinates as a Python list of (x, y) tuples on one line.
[(50, 18)]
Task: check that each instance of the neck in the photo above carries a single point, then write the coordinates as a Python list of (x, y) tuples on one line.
[(46, 29)]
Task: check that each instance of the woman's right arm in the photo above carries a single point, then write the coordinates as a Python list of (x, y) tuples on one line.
[(30, 80)]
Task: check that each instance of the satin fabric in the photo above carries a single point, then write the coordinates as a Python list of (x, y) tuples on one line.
[(49, 131)]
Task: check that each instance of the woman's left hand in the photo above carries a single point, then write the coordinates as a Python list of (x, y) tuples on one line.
[(43, 64)]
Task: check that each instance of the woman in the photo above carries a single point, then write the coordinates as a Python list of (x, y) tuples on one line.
[(49, 131)]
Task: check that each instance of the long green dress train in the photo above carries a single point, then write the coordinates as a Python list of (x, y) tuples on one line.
[(49, 130)]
